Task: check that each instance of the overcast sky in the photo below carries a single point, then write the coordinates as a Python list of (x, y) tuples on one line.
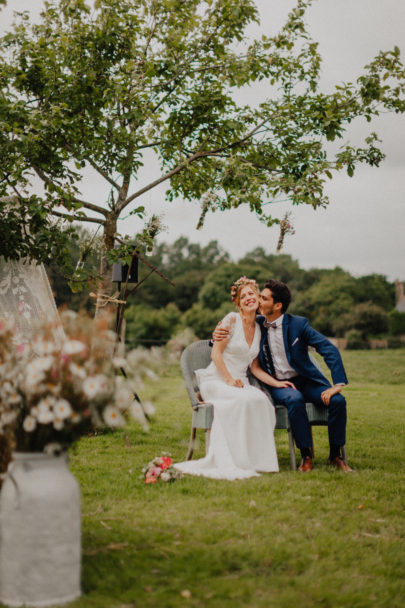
[(362, 230)]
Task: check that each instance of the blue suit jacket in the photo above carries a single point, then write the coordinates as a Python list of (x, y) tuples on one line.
[(298, 335)]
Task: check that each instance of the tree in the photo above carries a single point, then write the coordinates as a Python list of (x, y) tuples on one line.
[(282, 266), (187, 264), (326, 300), (216, 288), (203, 320), (183, 256), (376, 289), (151, 327), (367, 318), (104, 87), (396, 322)]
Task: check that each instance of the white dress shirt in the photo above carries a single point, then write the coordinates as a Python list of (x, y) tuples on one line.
[(283, 369)]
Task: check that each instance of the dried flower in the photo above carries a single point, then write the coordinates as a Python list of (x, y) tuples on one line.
[(286, 227), (51, 393)]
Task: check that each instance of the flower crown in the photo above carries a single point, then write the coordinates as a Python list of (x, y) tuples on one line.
[(241, 282)]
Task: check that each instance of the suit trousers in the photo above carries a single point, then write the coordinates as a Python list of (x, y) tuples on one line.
[(310, 391)]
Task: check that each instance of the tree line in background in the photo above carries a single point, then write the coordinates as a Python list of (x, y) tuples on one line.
[(335, 302)]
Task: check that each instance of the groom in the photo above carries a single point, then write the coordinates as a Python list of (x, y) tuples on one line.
[(284, 354)]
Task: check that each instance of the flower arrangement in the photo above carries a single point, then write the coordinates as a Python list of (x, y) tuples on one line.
[(241, 282), (160, 468), (53, 390)]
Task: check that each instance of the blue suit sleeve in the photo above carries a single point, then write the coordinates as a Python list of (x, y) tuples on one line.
[(328, 351)]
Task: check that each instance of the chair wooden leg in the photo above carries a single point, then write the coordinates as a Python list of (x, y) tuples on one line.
[(207, 440), (191, 444), (293, 462)]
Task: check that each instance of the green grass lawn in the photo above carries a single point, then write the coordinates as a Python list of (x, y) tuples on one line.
[(282, 540)]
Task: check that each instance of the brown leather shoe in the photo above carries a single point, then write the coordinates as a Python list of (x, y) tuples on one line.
[(341, 464), (306, 465)]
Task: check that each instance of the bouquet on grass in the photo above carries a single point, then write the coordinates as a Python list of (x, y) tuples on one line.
[(53, 390), (160, 468)]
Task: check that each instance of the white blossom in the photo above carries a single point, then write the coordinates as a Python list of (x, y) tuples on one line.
[(58, 424), (34, 376), (123, 398), (44, 347), (44, 363), (14, 399), (148, 407), (53, 448), (8, 417), (119, 362), (77, 370), (113, 417), (136, 411), (75, 418), (68, 315), (73, 347), (95, 385), (62, 409), (151, 374), (45, 413), (29, 424)]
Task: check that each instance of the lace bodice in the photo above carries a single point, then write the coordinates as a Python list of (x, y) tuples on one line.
[(238, 355)]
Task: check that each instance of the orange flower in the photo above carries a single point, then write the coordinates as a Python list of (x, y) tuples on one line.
[(166, 462), (151, 480)]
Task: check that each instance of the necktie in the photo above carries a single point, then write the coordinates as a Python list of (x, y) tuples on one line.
[(268, 359), (268, 324)]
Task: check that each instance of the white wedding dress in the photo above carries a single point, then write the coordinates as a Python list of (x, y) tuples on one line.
[(242, 434)]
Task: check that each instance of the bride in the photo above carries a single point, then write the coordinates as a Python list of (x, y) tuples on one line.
[(242, 434)]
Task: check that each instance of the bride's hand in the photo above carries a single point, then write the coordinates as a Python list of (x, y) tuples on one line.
[(235, 382), (285, 384)]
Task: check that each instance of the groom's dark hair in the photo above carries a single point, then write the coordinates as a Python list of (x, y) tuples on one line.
[(280, 292)]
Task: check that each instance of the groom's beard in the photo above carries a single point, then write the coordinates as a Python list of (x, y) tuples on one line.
[(266, 314)]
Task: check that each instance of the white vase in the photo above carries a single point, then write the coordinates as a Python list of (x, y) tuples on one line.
[(40, 532)]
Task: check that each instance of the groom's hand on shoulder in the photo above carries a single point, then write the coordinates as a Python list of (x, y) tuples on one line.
[(220, 333)]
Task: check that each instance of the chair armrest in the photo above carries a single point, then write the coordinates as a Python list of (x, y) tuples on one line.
[(203, 415), (202, 404)]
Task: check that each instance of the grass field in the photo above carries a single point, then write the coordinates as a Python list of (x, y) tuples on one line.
[(283, 540)]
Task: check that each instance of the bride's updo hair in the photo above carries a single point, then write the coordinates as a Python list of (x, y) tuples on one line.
[(237, 287)]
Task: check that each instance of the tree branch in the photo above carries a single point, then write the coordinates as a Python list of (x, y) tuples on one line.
[(102, 172), (189, 160), (66, 216), (152, 145), (150, 35), (163, 178), (257, 166), (85, 204)]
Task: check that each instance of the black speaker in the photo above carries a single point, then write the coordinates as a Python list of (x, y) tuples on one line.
[(120, 272)]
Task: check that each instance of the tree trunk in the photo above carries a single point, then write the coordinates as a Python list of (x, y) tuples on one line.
[(106, 286)]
